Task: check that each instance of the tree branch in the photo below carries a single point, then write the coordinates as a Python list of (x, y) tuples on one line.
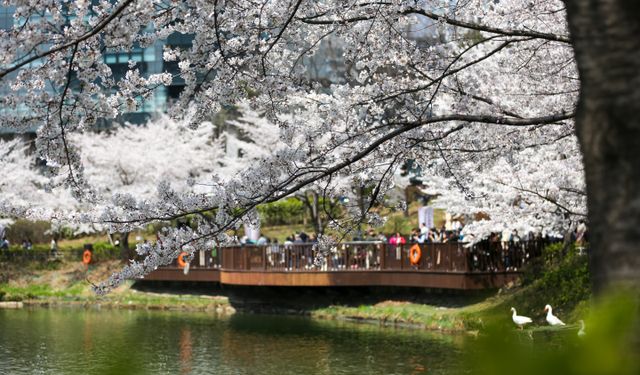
[(313, 20), (490, 29), (543, 197), (284, 27), (72, 43)]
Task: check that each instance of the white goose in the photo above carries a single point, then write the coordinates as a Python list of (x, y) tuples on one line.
[(552, 319), (520, 321)]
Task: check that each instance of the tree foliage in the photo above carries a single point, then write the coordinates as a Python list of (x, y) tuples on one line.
[(482, 95)]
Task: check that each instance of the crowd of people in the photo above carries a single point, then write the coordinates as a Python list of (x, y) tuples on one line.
[(510, 250), (25, 245), (422, 235), (295, 238)]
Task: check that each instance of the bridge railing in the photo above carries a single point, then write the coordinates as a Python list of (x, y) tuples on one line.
[(365, 256)]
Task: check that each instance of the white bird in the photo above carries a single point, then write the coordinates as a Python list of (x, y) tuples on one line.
[(552, 319), (520, 321), (581, 332)]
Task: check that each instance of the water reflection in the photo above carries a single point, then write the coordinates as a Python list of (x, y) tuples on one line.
[(87, 337), (186, 351), (128, 342), (266, 352)]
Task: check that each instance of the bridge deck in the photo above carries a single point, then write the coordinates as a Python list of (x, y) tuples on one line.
[(447, 265)]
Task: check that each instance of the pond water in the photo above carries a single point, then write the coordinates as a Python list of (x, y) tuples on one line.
[(78, 341)]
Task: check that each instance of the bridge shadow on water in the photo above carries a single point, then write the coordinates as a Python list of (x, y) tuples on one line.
[(301, 300)]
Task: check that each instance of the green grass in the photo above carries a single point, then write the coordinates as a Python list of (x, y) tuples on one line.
[(281, 232), (398, 222), (427, 316), (10, 292), (81, 293), (165, 301), (35, 287)]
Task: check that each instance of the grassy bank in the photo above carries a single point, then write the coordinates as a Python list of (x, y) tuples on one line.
[(401, 314), (69, 283)]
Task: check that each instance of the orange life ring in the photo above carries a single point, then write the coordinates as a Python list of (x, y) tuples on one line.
[(181, 262), (414, 254), (86, 257)]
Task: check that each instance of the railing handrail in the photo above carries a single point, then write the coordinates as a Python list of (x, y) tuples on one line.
[(465, 244), (300, 243), (450, 256)]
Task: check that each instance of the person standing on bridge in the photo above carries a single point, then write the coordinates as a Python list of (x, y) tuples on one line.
[(417, 236), (397, 241), (303, 236)]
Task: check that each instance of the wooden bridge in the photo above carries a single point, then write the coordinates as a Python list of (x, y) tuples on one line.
[(440, 265)]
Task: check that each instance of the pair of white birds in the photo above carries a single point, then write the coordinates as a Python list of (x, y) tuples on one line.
[(520, 320)]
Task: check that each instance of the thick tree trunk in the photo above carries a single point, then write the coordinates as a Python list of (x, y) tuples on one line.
[(606, 39)]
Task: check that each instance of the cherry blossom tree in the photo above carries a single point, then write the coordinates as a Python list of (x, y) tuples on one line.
[(253, 137), (19, 179), (476, 92), (247, 139), (534, 190), (23, 183), (131, 160)]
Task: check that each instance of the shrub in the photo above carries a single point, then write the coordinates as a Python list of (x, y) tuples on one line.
[(282, 212), (156, 227), (567, 282), (34, 230), (105, 251)]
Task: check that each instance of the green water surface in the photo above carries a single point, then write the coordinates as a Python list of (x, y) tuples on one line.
[(78, 341)]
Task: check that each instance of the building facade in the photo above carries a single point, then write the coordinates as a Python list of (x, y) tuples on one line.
[(148, 61)]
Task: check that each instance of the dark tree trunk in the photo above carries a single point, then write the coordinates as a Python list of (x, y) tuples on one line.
[(315, 214), (606, 39), (363, 210), (313, 207), (125, 252)]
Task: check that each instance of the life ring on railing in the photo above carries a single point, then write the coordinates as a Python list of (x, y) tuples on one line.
[(414, 254), (181, 262), (86, 257)]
